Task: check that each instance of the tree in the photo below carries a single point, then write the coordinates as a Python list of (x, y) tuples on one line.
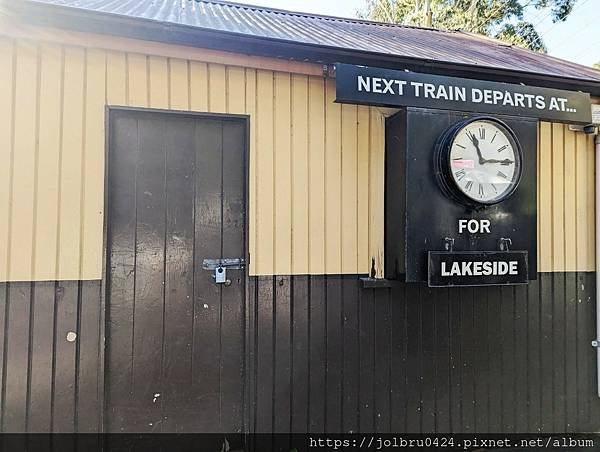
[(501, 19), (596, 65)]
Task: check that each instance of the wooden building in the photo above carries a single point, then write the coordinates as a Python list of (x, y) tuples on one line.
[(139, 138)]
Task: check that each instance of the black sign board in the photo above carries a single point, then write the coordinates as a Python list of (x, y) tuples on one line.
[(477, 268), (388, 87), (420, 217)]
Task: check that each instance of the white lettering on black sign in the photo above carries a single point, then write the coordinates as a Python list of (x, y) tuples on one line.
[(477, 268), (473, 226), (379, 86), (460, 93)]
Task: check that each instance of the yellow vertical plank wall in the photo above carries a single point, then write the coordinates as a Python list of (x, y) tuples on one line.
[(310, 189), (316, 175), (299, 164), (316, 200), (262, 256), (71, 175), (282, 189), (48, 170), (93, 162), (566, 200), (7, 91), (24, 141), (349, 184), (333, 181)]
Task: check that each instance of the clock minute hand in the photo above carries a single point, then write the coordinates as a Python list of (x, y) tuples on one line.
[(475, 142)]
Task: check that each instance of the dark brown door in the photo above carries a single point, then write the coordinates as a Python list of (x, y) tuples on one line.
[(174, 338)]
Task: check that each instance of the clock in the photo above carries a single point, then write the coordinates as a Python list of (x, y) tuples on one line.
[(478, 162)]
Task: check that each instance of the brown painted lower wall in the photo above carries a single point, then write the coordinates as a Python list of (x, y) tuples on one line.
[(327, 355), (330, 356), (49, 383)]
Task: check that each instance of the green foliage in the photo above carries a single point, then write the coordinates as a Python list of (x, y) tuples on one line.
[(522, 34), (596, 65), (502, 19), (560, 9)]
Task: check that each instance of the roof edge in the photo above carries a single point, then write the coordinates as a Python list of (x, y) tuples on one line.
[(82, 20)]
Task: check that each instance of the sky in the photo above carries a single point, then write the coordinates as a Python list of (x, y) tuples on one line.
[(577, 39)]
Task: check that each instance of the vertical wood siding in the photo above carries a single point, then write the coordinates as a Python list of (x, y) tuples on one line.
[(316, 167), (328, 356), (48, 383), (566, 199)]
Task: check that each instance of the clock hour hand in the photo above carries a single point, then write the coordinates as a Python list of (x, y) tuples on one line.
[(504, 162), (475, 142)]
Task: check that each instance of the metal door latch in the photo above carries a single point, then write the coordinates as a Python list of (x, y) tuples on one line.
[(220, 266)]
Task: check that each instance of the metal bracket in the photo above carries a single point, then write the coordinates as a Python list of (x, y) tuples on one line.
[(220, 266), (236, 263), (449, 244), (504, 244)]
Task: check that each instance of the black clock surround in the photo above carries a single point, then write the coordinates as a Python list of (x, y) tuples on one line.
[(421, 218), (442, 162)]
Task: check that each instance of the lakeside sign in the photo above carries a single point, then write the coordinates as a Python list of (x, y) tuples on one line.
[(392, 88), (477, 268)]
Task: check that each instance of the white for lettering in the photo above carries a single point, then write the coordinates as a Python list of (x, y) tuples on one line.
[(474, 226)]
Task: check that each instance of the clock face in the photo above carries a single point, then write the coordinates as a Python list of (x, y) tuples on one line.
[(484, 161)]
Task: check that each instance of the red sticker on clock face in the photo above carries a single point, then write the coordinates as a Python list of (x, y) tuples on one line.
[(463, 163)]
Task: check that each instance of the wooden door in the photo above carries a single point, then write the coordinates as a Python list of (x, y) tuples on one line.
[(174, 338)]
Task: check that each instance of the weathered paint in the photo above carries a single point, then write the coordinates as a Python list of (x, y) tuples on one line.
[(325, 355), (48, 382), (329, 356), (177, 191), (316, 167), (305, 178)]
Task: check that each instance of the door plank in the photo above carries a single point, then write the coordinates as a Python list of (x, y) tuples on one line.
[(178, 409), (232, 301), (123, 160), (148, 308), (207, 307)]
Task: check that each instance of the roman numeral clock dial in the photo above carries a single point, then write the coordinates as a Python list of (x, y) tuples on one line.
[(479, 161)]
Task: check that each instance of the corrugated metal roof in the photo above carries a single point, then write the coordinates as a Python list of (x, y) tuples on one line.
[(454, 47)]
